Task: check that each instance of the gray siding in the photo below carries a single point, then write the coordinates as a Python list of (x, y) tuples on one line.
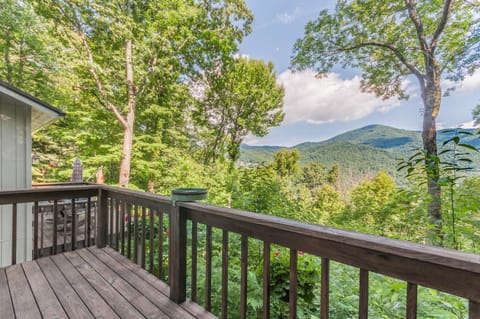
[(15, 172)]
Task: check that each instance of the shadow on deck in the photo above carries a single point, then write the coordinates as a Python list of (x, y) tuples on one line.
[(88, 283)]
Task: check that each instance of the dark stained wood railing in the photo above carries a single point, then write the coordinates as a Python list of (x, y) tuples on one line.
[(64, 218), (150, 231), (446, 270)]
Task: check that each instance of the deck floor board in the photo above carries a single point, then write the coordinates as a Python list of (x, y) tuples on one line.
[(5, 298), (88, 283)]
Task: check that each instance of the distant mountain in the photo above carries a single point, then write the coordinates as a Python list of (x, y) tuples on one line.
[(367, 149)]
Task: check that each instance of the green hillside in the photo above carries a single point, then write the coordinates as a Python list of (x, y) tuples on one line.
[(356, 159), (367, 149)]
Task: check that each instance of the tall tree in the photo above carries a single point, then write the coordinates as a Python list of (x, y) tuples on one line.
[(129, 51), (391, 40), (241, 97), (26, 56)]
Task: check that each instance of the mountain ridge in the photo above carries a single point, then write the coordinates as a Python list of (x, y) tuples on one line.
[(369, 149)]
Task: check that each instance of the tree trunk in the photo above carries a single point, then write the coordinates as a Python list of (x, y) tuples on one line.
[(431, 99), (130, 119), (126, 155)]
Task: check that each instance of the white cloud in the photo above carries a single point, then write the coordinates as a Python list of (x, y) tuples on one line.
[(440, 125), (471, 82), (289, 18), (468, 125), (326, 100)]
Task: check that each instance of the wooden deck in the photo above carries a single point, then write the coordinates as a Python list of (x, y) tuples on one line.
[(87, 283)]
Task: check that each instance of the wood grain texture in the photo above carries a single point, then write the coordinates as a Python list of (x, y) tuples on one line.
[(71, 302), (102, 286), (132, 295), (142, 284), (47, 302), (5, 299), (192, 308), (24, 303), (90, 297)]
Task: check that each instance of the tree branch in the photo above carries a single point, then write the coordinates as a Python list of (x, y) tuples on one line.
[(78, 29), (99, 83), (393, 49), (417, 22), (447, 9)]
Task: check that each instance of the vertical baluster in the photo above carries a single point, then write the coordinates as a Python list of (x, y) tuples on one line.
[(292, 298), (55, 226), (136, 211), (243, 277), (224, 274), (101, 219), (95, 211), (117, 224), (122, 228), (35, 230), (208, 269), (74, 226), (129, 231), (363, 304), (160, 245), (151, 250), (473, 310), (88, 221), (65, 240), (324, 290), (110, 219), (411, 301), (193, 296), (14, 233), (144, 221), (266, 280), (42, 226)]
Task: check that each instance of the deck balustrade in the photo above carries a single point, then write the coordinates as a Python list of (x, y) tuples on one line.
[(164, 239)]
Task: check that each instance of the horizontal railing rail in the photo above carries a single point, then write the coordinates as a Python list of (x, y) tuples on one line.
[(165, 239), (442, 269), (63, 218)]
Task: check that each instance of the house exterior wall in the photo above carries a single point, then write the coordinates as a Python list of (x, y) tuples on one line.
[(15, 173)]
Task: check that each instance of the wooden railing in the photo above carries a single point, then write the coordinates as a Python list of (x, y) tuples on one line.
[(153, 233)]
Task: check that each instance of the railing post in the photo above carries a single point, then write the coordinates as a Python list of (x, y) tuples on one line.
[(474, 310), (177, 261), (102, 211)]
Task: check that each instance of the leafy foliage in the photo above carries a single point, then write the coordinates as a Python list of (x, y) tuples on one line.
[(241, 97)]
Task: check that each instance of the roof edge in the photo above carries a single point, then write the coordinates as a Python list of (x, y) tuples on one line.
[(18, 94)]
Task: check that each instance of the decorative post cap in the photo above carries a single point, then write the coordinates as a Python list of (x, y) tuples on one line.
[(188, 194)]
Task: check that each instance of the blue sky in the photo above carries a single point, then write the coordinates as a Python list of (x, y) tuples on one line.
[(317, 109)]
